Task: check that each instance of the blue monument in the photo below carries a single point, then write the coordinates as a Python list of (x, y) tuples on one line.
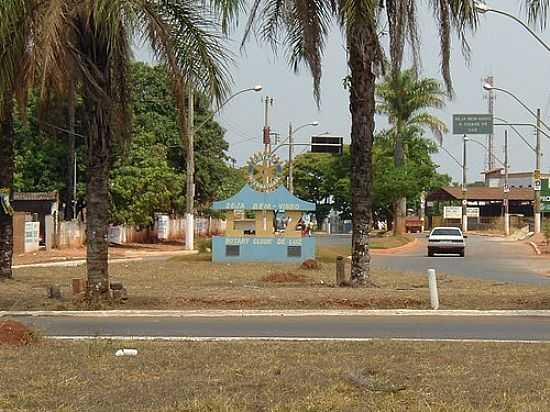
[(265, 222)]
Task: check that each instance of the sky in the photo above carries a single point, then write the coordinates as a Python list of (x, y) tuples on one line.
[(500, 47)]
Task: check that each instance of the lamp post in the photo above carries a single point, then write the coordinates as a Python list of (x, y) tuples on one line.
[(464, 189), (291, 132), (537, 115), (190, 161), (484, 8)]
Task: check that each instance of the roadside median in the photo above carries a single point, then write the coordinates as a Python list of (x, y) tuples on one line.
[(195, 283)]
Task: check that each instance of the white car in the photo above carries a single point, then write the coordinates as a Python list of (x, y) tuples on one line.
[(446, 240)]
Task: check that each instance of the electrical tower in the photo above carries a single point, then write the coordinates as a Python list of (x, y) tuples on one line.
[(490, 96)]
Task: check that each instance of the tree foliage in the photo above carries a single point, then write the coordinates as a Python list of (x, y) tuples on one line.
[(148, 173), (325, 179)]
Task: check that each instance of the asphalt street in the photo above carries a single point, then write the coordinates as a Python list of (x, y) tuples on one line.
[(413, 327), (488, 258)]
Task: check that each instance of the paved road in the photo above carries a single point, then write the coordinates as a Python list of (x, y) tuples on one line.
[(486, 258), (414, 327)]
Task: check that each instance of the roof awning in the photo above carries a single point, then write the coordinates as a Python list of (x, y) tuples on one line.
[(250, 199)]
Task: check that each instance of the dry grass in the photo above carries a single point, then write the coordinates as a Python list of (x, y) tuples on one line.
[(243, 377), (195, 283)]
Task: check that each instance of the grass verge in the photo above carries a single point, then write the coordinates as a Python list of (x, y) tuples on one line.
[(247, 377)]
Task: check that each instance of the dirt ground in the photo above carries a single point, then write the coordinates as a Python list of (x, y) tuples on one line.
[(277, 377), (193, 282), (14, 333)]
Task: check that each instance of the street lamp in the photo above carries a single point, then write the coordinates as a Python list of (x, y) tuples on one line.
[(537, 115), (190, 194), (290, 150), (483, 8)]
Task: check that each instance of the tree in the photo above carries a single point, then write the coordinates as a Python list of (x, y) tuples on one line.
[(143, 183), (314, 181), (405, 98), (14, 34), (328, 178), (304, 26), (92, 38), (155, 113), (419, 174)]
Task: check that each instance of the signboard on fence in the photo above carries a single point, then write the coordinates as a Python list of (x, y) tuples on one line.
[(472, 211), (452, 212), (32, 236), (472, 124), (545, 195)]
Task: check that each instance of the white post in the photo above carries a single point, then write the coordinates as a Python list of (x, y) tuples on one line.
[(434, 297), (189, 231)]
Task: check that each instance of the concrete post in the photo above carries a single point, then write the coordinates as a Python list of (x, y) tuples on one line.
[(434, 297)]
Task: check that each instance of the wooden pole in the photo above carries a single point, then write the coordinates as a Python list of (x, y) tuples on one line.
[(340, 271)]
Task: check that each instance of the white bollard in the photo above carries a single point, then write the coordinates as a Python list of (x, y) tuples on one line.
[(434, 297)]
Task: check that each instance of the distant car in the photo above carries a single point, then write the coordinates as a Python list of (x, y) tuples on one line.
[(446, 240)]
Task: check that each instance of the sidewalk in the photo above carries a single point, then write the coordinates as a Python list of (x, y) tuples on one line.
[(75, 257)]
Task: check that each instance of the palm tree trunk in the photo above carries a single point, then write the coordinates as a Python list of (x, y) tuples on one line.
[(400, 205), (7, 167), (97, 200), (71, 139), (361, 59)]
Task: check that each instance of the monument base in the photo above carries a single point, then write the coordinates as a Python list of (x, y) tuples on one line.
[(262, 249)]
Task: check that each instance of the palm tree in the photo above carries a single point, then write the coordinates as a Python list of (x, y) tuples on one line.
[(302, 27), (14, 32), (93, 38), (404, 98)]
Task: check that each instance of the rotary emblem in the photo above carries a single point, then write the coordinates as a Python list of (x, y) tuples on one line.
[(265, 171)]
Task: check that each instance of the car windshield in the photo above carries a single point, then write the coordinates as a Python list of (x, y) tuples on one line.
[(446, 232)]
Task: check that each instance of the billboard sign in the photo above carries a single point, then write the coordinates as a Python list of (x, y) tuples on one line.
[(466, 124)]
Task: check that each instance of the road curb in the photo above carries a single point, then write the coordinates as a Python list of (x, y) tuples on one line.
[(273, 313), (390, 251), (535, 248), (202, 339)]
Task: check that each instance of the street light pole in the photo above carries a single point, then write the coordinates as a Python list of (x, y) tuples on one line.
[(506, 187), (190, 161), (537, 192), (290, 139), (290, 166), (464, 189), (537, 115), (484, 8)]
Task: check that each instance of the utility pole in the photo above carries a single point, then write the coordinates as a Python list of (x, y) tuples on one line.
[(290, 167), (267, 148), (506, 187), (490, 80), (537, 192), (464, 189), (190, 194)]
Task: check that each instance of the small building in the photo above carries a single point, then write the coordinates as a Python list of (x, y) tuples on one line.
[(487, 202), (44, 209), (495, 178), (263, 226)]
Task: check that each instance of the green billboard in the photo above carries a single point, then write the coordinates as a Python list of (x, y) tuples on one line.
[(544, 195), (472, 124)]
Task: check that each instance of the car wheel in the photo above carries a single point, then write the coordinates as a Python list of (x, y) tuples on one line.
[(430, 253), (462, 253)]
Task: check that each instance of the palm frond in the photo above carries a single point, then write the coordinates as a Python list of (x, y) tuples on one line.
[(189, 43), (537, 11)]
